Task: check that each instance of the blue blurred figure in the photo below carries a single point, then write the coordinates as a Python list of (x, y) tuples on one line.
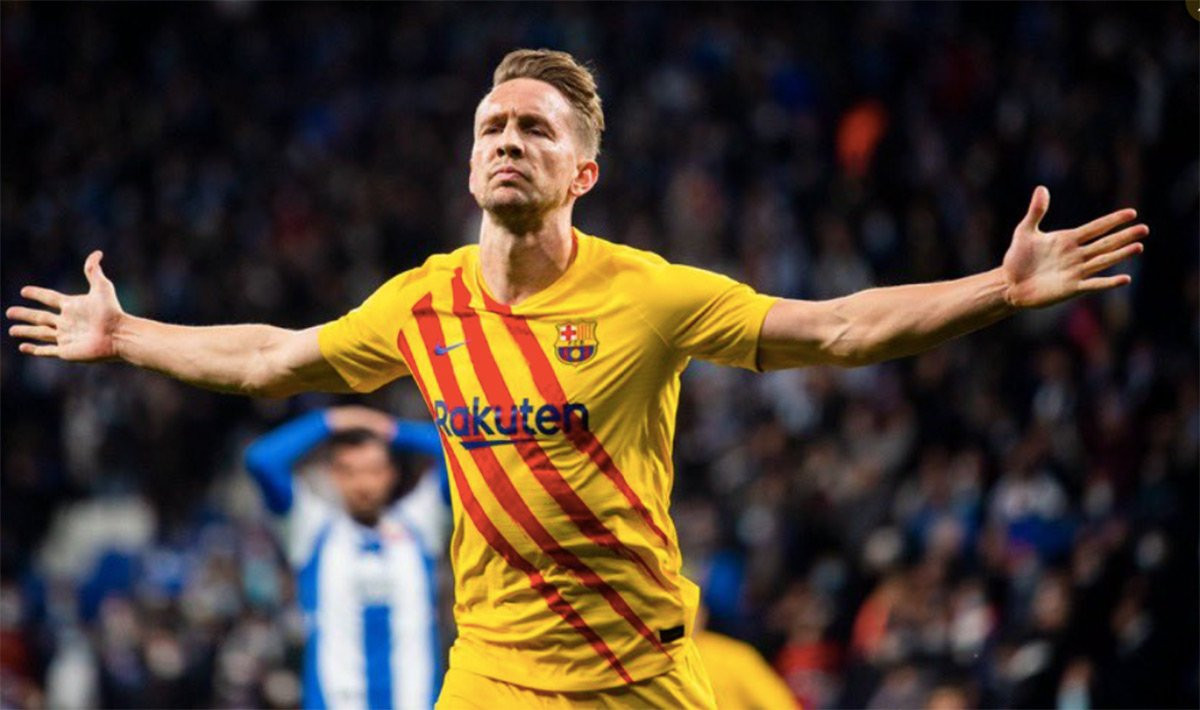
[(364, 562)]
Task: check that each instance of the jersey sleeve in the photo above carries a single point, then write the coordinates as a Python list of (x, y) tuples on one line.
[(707, 315), (361, 345)]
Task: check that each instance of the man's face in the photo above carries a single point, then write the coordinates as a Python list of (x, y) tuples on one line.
[(365, 476), (527, 158)]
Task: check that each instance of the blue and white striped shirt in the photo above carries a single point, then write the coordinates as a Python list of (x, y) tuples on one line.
[(369, 594)]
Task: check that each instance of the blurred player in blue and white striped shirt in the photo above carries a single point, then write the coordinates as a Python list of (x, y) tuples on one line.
[(364, 562)]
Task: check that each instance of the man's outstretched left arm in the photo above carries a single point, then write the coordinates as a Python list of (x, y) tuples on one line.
[(1039, 269)]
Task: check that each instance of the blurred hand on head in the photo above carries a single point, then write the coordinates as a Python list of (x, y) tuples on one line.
[(78, 328), (355, 417), (1043, 268)]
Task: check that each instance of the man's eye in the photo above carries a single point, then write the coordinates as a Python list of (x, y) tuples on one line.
[(490, 129)]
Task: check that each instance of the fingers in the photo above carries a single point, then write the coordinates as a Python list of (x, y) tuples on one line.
[(1104, 261), (1115, 241), (39, 350), (1103, 283), (32, 315), (44, 333), (1038, 205), (1099, 226), (45, 296)]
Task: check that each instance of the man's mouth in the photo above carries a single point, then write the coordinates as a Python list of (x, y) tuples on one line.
[(508, 174)]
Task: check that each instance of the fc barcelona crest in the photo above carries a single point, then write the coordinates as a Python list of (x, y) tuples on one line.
[(576, 342)]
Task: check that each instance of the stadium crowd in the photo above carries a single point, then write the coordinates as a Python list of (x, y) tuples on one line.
[(1009, 520)]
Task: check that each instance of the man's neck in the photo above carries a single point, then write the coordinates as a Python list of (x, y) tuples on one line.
[(516, 266), (366, 519)]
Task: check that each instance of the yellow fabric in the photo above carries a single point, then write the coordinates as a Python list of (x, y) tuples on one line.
[(361, 345), (684, 687), (741, 679), (566, 564)]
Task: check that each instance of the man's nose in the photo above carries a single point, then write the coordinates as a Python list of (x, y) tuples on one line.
[(510, 143)]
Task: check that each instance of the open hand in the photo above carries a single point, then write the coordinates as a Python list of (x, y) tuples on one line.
[(78, 328), (1043, 268)]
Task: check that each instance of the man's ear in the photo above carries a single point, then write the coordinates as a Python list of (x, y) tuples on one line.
[(586, 175)]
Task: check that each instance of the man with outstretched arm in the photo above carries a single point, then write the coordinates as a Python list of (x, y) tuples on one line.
[(549, 360), (365, 562)]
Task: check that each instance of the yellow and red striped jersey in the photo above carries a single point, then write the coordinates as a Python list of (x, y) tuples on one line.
[(557, 417)]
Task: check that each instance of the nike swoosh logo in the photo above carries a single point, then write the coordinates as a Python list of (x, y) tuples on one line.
[(442, 349), (492, 442)]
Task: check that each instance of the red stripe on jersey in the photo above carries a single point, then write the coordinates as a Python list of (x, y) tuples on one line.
[(498, 481), (497, 392), (552, 391), (552, 596)]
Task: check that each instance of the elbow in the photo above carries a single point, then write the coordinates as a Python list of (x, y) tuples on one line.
[(267, 379), (847, 347), (857, 354), (869, 352), (273, 390), (850, 360), (262, 388), (819, 333)]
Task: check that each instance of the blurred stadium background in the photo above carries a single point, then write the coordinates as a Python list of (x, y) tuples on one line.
[(1007, 521)]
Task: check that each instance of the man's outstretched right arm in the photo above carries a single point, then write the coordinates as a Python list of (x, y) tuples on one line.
[(253, 359)]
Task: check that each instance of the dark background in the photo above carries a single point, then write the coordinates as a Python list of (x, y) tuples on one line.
[(1012, 517)]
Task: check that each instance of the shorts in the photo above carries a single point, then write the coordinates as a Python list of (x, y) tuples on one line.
[(686, 686)]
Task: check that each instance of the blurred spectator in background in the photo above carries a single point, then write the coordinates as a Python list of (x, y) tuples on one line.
[(1005, 521), (365, 560)]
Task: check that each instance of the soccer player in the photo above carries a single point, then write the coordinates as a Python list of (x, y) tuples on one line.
[(364, 565), (741, 679), (550, 360)]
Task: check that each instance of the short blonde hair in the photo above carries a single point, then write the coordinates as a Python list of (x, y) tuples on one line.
[(572, 79)]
